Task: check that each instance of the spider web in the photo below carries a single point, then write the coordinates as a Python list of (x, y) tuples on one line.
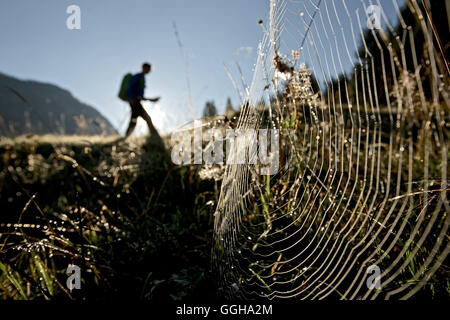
[(362, 116)]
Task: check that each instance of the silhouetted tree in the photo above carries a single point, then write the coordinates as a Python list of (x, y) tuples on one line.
[(229, 108), (362, 77), (210, 110)]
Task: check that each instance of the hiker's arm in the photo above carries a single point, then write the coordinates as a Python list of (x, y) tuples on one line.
[(140, 93), (156, 99), (140, 85)]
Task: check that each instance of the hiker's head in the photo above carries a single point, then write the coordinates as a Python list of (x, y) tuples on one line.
[(146, 67)]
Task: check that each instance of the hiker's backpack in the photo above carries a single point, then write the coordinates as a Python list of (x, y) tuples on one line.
[(124, 87)]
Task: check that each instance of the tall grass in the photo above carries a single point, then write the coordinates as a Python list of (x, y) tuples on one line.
[(137, 227)]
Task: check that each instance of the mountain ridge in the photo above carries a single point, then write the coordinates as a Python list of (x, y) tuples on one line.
[(34, 107)]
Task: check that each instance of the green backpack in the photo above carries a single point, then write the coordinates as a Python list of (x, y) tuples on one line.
[(124, 87)]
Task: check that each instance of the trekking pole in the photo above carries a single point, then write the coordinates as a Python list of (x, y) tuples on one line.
[(152, 99)]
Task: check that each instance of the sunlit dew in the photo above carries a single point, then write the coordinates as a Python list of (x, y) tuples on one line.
[(351, 189), (356, 153)]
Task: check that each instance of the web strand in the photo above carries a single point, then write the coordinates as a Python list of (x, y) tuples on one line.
[(363, 122)]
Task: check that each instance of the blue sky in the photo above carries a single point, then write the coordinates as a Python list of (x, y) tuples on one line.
[(117, 36)]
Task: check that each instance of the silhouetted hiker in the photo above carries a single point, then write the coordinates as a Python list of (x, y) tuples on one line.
[(132, 91)]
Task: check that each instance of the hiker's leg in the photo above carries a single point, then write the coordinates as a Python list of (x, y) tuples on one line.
[(133, 120), (147, 119), (131, 126)]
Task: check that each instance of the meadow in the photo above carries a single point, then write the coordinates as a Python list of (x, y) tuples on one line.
[(362, 185), (137, 227)]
